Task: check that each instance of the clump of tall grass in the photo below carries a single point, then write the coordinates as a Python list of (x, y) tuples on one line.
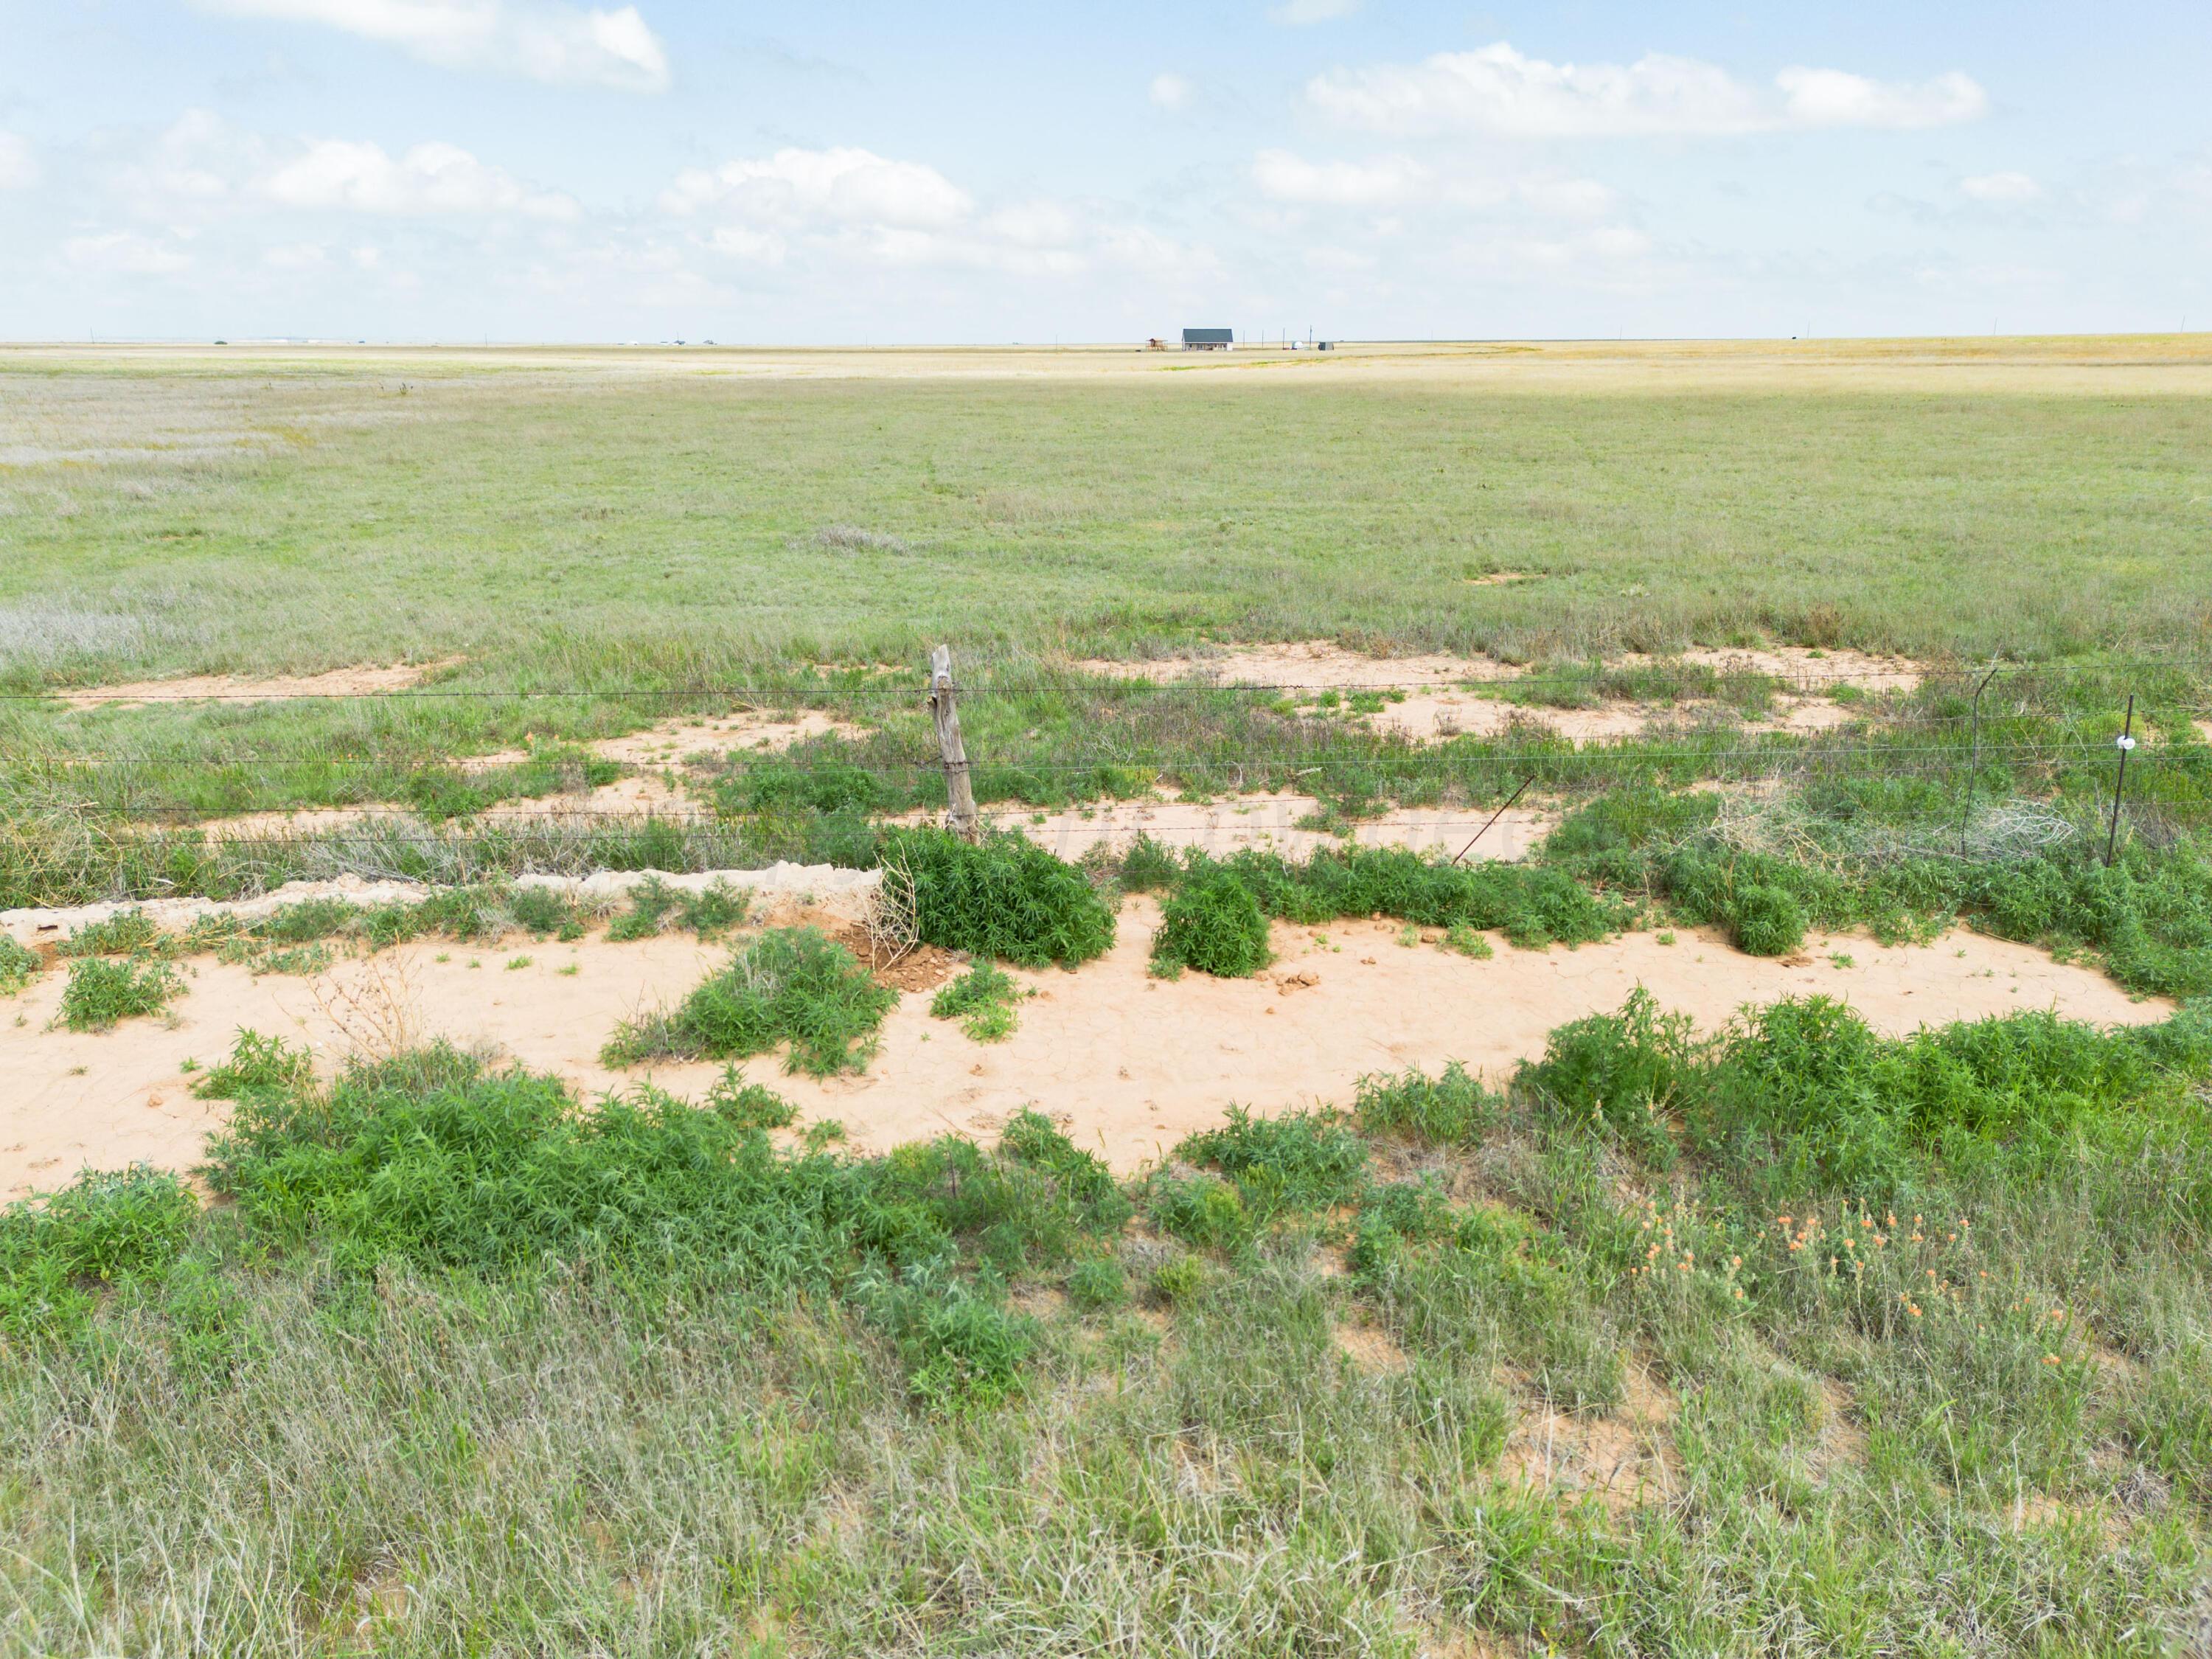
[(792, 985)]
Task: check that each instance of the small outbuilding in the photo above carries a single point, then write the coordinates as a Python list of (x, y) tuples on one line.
[(1209, 339)]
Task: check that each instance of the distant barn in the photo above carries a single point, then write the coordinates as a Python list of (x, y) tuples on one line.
[(1208, 339)]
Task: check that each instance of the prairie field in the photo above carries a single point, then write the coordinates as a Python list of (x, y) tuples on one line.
[(1579, 1020)]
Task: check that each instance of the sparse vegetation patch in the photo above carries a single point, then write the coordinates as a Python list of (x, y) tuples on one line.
[(791, 985)]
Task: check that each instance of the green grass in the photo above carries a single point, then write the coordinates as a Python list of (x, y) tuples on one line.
[(1014, 518), (460, 1360), (791, 985), (1926, 1319)]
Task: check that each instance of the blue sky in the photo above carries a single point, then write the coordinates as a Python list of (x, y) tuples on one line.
[(856, 170)]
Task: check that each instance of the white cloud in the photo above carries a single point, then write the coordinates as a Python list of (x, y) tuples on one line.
[(1284, 177), (1832, 98), (747, 247), (19, 166), (2000, 187), (1567, 198), (126, 252), (836, 186), (1396, 181), (1303, 14), (1172, 91), (295, 256), (1498, 89), (544, 40), (1337, 261), (1035, 224), (358, 176)]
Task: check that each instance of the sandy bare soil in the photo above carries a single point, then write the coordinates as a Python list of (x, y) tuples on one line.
[(823, 886), (1268, 822), (1442, 699), (1131, 1063), (363, 682), (669, 743)]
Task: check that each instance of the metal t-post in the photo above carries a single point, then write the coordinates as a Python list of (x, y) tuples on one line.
[(2120, 779)]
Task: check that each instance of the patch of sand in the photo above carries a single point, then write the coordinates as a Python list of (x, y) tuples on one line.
[(1810, 668), (1132, 1063), (1437, 704), (364, 681), (1621, 1460), (1372, 1350), (1269, 821), (1311, 665), (672, 742)]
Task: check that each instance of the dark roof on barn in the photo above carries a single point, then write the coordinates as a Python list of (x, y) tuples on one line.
[(1209, 336)]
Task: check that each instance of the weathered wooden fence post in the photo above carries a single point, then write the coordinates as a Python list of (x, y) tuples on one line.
[(960, 794)]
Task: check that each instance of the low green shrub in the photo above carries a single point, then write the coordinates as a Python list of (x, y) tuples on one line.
[(103, 1229), (1534, 906), (1803, 1094), (257, 1064), (791, 984), (1200, 1209), (1179, 1279), (744, 1105), (19, 966), (103, 992), (982, 999), (1001, 897), (127, 933), (1463, 941), (546, 913), (1298, 1161), (1213, 924), (1625, 1074), (2149, 915), (1452, 1110), (1147, 866), (1764, 921)]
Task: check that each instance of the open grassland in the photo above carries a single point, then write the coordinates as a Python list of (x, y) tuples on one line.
[(609, 520), (1801, 1332)]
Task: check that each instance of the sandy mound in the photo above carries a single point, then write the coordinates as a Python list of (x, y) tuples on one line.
[(1131, 1063), (366, 682), (1269, 821), (825, 886)]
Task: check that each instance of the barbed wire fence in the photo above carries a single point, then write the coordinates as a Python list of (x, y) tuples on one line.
[(117, 806)]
